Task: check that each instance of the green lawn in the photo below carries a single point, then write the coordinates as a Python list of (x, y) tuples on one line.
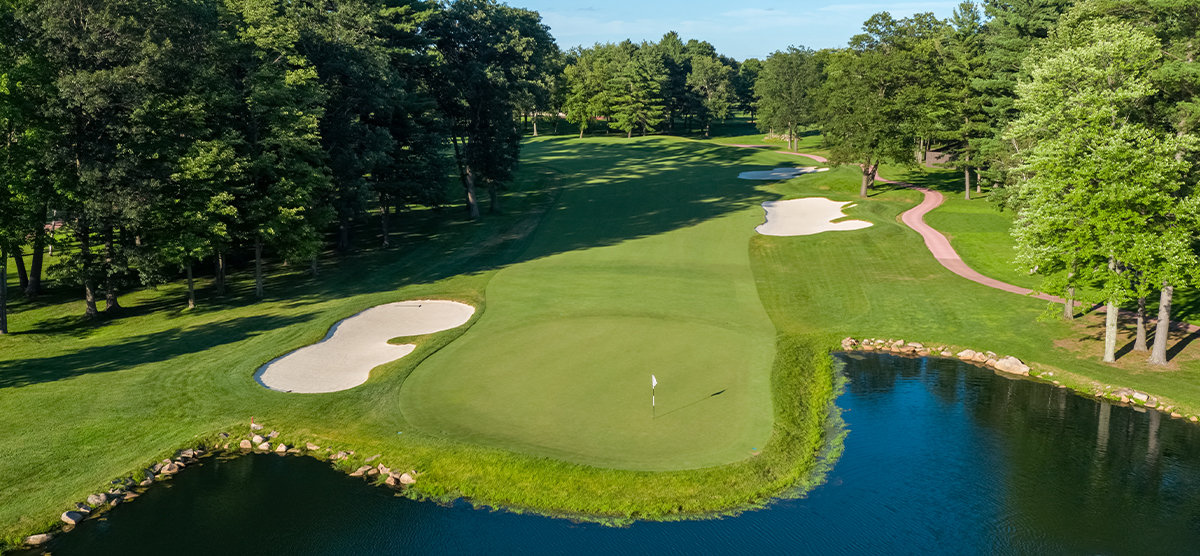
[(642, 268)]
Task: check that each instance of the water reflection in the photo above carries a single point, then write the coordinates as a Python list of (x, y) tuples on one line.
[(942, 458)]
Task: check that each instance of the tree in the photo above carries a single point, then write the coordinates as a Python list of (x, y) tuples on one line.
[(278, 111), (864, 114), (743, 85), (488, 53), (636, 91), (1013, 28), (1102, 197), (710, 80), (965, 65), (786, 90), (588, 76)]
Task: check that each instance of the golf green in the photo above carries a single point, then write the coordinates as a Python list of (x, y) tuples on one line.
[(559, 364)]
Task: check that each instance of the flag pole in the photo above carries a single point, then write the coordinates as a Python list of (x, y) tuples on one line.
[(653, 410)]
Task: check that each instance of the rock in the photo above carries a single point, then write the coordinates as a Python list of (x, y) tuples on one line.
[(71, 518), (406, 479), (922, 352), (946, 353), (157, 467), (990, 362), (383, 469), (273, 434), (373, 458), (188, 453), (225, 446), (1175, 415), (372, 472), (339, 455), (255, 427), (146, 482), (256, 440), (281, 448), (131, 496), (170, 469), (1193, 418), (917, 345), (390, 481), (992, 355), (361, 471), (868, 347), (849, 343), (980, 357), (35, 540), (245, 444), (295, 451), (311, 447), (1124, 399), (224, 435), (1012, 365), (265, 446), (1141, 397), (97, 499), (966, 354), (114, 501)]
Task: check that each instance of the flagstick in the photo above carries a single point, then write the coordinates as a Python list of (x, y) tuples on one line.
[(653, 410)]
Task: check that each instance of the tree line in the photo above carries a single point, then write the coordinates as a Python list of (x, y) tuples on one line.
[(1080, 116), (163, 134)]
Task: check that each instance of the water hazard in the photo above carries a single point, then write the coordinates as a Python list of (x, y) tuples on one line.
[(942, 458)]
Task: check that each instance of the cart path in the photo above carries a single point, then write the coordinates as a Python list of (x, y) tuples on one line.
[(940, 247)]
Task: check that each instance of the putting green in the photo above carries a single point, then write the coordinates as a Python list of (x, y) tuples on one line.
[(642, 267)]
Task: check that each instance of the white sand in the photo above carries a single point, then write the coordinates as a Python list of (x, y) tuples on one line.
[(781, 173), (356, 345), (802, 217)]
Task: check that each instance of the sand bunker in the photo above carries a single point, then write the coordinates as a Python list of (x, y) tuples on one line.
[(781, 173), (802, 217), (356, 345)]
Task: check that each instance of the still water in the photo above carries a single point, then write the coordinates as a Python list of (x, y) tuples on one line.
[(942, 458)]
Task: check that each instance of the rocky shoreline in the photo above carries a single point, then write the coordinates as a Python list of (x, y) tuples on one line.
[(1012, 365), (129, 488)]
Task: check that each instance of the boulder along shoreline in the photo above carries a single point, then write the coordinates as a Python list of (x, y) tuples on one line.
[(1010, 365)]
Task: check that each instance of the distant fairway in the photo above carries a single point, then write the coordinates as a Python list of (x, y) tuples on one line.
[(642, 267)]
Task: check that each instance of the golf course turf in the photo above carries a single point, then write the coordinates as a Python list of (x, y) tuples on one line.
[(615, 259)]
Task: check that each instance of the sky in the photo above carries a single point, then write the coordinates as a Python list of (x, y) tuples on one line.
[(740, 29)]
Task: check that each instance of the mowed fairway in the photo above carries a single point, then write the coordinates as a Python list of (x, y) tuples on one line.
[(642, 267)]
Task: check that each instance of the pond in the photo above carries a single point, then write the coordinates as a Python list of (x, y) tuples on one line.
[(942, 458)]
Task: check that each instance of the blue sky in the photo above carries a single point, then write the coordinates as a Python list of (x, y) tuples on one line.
[(741, 29)]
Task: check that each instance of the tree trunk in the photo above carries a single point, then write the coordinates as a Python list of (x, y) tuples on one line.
[(111, 295), (1158, 355), (1140, 343), (89, 286), (384, 217), (581, 128), (468, 181), (343, 244), (219, 274), (472, 202), (1110, 333), (22, 274), (34, 288), (1069, 304), (191, 288), (494, 198), (314, 269), (967, 181), (535, 124), (706, 126), (3, 291), (258, 266), (629, 135), (868, 179)]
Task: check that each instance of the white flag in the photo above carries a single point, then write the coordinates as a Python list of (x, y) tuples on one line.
[(653, 381)]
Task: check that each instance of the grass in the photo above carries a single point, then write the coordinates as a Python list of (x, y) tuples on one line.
[(594, 226), (84, 403)]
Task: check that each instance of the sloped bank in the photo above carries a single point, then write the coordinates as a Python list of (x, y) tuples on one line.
[(806, 441)]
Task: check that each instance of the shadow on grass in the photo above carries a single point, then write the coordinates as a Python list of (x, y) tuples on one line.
[(139, 350)]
